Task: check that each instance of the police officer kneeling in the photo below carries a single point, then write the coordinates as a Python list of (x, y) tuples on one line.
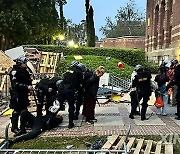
[(46, 89), (143, 90)]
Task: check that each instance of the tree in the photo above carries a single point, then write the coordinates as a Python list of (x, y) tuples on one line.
[(76, 32), (27, 21), (128, 22), (90, 30), (62, 22)]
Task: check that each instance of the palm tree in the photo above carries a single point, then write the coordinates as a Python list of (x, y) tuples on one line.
[(61, 3)]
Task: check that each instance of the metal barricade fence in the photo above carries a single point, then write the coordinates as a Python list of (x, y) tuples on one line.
[(115, 81), (49, 151), (4, 148), (115, 85)]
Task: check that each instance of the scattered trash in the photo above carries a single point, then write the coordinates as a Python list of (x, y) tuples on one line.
[(69, 146)]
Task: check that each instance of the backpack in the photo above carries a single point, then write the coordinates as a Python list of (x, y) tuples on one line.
[(159, 102)]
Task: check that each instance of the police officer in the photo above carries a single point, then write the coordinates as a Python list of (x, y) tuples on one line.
[(72, 79), (46, 89), (143, 88), (21, 85), (133, 94)]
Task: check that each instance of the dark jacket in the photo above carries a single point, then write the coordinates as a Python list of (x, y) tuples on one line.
[(161, 79), (20, 80), (177, 75), (92, 84), (73, 78), (142, 82), (47, 83)]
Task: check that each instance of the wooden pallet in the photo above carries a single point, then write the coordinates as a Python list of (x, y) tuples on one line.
[(138, 146)]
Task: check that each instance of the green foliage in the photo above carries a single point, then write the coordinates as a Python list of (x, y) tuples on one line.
[(58, 142), (131, 57), (78, 142), (91, 29), (27, 21), (153, 67), (92, 62)]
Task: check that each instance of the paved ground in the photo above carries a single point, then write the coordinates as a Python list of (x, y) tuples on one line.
[(112, 119)]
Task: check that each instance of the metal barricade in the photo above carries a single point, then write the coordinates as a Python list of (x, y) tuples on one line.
[(48, 151), (4, 149), (115, 85)]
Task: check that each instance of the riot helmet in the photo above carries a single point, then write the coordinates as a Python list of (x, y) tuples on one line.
[(43, 76), (58, 83), (174, 62), (138, 68), (21, 59), (74, 63), (82, 67)]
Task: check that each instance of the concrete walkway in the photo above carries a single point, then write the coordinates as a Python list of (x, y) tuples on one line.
[(112, 118)]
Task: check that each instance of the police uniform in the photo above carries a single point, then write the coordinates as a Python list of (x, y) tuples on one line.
[(46, 89), (20, 80), (71, 81), (143, 88)]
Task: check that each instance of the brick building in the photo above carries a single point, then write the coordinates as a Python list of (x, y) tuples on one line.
[(123, 42), (162, 30)]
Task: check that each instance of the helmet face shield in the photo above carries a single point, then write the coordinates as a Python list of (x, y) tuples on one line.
[(58, 83), (138, 68), (22, 59), (174, 62), (74, 63)]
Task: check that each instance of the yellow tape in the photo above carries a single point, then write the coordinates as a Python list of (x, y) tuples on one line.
[(8, 112)]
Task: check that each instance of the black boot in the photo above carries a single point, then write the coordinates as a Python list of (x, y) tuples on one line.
[(137, 113), (9, 144), (14, 122), (71, 125), (20, 132), (14, 130), (131, 116)]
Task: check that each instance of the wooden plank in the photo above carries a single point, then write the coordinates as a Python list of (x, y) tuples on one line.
[(131, 143), (168, 148), (148, 147), (120, 143), (139, 146), (158, 148), (110, 141), (3, 81)]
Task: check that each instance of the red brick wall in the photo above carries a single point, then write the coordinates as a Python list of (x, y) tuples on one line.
[(124, 42), (174, 23)]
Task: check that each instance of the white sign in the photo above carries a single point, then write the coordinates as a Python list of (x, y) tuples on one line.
[(104, 80), (14, 53)]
